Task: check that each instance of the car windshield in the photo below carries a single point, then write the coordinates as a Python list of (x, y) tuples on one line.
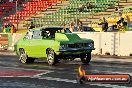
[(50, 32)]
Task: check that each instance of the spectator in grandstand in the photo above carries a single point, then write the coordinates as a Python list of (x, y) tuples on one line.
[(77, 25), (80, 26), (6, 29), (81, 8), (119, 25), (104, 24), (113, 28), (89, 5), (125, 24), (72, 27), (116, 8), (122, 25), (13, 29), (128, 21), (32, 26), (119, 11), (75, 29)]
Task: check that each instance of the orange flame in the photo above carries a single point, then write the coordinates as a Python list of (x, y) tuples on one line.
[(81, 71)]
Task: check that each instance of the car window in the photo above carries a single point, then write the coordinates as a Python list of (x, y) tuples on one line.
[(44, 34), (37, 34), (29, 35), (50, 32)]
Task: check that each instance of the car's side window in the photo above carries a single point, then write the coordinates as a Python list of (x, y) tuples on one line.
[(44, 34), (37, 34), (29, 35), (52, 34)]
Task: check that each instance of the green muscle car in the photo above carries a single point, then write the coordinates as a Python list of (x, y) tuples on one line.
[(54, 44)]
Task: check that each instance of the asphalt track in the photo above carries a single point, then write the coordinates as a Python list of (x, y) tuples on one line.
[(13, 74)]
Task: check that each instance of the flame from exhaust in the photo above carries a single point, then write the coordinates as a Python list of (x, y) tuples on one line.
[(81, 71)]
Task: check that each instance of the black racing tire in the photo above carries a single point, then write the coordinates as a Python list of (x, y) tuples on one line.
[(31, 60), (51, 57), (86, 58), (24, 58)]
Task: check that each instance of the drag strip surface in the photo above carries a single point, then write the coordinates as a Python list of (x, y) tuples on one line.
[(13, 74)]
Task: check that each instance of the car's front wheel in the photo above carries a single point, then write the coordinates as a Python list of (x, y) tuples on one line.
[(51, 57), (85, 58), (24, 58)]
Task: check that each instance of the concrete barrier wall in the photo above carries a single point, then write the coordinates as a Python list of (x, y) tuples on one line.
[(113, 43), (15, 38), (125, 43)]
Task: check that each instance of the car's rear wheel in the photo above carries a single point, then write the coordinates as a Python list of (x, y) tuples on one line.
[(85, 58), (24, 58), (51, 57)]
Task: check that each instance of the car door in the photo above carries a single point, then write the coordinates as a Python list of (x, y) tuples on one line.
[(39, 44), (34, 43), (26, 43)]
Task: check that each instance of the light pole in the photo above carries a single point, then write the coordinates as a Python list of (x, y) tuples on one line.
[(16, 13), (76, 23), (65, 15), (118, 2)]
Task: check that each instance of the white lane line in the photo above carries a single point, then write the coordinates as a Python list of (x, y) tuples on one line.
[(39, 75), (59, 79)]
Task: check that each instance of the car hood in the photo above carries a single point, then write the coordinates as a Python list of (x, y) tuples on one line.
[(70, 38)]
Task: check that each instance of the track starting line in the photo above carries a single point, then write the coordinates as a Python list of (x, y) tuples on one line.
[(18, 72)]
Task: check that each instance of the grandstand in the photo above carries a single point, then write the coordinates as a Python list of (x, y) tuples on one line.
[(61, 12), (111, 15)]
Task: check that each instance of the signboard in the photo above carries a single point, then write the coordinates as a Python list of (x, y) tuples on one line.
[(4, 41)]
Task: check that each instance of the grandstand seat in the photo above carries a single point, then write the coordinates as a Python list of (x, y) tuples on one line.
[(30, 8)]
